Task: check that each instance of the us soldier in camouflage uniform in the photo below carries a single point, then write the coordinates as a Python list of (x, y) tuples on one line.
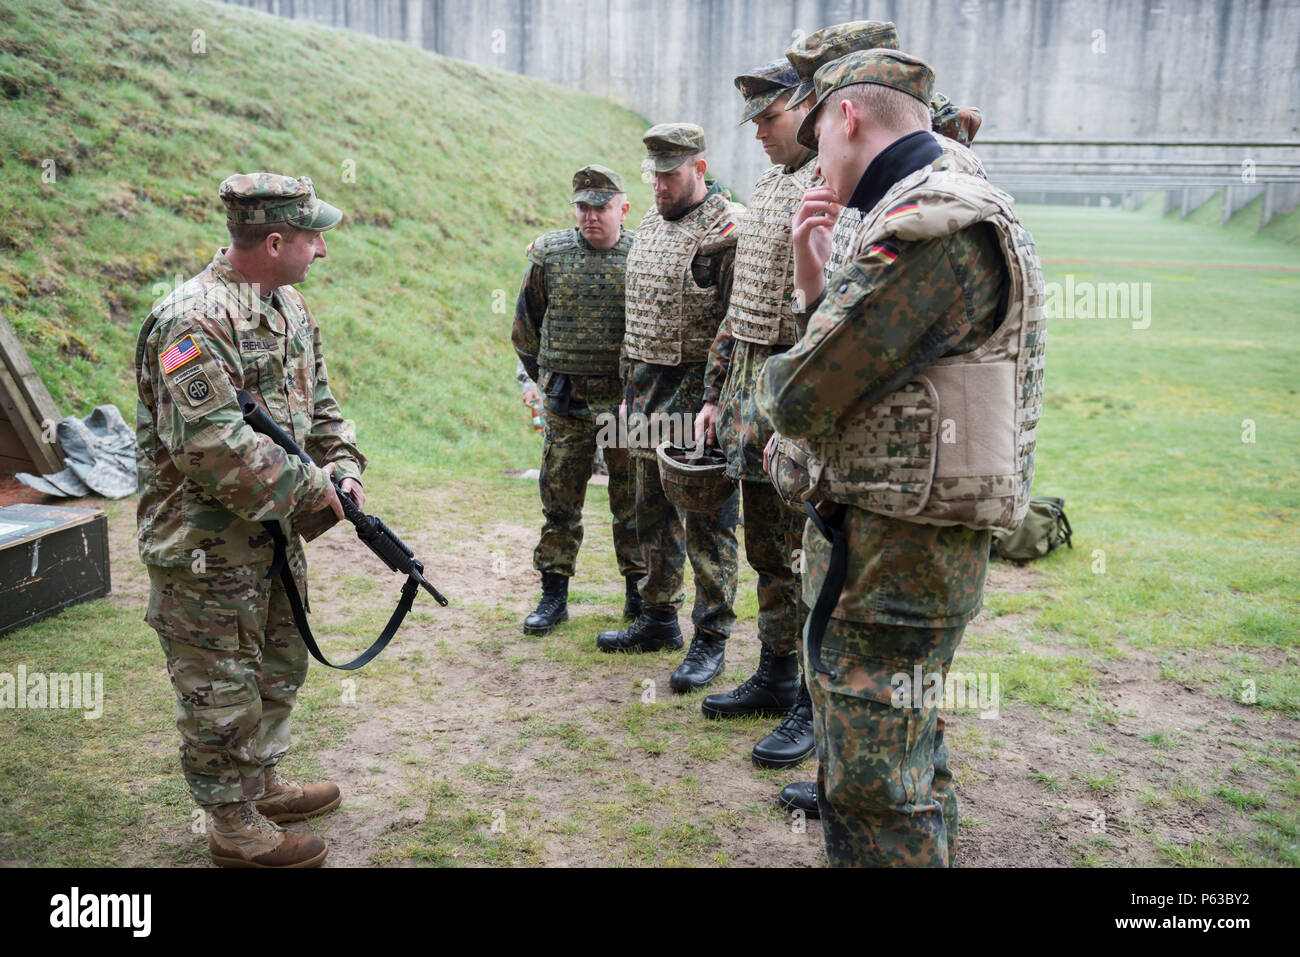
[(931, 335), (208, 482), (678, 281), (953, 130), (568, 333), (760, 323)]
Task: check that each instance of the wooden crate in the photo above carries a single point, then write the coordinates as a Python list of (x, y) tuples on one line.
[(50, 558)]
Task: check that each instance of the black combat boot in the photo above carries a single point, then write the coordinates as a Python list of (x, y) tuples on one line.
[(771, 691), (654, 630), (632, 599), (800, 796), (704, 661), (554, 606), (792, 741)]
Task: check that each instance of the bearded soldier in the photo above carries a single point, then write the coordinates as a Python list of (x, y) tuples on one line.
[(760, 323), (953, 130), (679, 274), (918, 388), (568, 333)]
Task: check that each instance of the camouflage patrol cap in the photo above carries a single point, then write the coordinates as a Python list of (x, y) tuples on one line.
[(668, 144), (257, 198), (830, 43), (763, 86), (892, 68), (596, 185)]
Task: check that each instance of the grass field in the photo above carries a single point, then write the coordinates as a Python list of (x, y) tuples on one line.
[(1150, 677)]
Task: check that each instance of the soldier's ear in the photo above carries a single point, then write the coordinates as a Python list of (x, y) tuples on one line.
[(848, 116), (701, 166)]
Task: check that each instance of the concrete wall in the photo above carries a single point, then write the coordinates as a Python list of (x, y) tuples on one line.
[(1162, 69)]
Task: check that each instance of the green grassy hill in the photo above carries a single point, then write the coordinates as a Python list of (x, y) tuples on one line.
[(444, 170)]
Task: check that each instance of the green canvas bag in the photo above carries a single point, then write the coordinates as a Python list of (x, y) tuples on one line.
[(1044, 528)]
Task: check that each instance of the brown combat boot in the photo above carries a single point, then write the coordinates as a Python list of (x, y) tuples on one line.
[(285, 800), (238, 836)]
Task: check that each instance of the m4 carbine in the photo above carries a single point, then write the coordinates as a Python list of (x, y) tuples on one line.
[(371, 530)]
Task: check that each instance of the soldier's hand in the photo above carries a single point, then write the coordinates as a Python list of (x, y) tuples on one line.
[(811, 229), (353, 488), (331, 496), (770, 449), (533, 400), (705, 420)]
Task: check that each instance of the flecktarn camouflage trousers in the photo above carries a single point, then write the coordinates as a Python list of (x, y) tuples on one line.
[(568, 449), (883, 785), (669, 538)]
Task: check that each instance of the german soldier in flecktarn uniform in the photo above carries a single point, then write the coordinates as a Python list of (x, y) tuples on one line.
[(208, 482), (568, 333), (953, 128), (917, 388), (679, 274), (759, 323)]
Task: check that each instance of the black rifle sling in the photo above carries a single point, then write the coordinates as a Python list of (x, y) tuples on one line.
[(832, 585), (280, 566)]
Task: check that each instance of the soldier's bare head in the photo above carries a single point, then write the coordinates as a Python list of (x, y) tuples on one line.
[(600, 224), (273, 254), (855, 124), (776, 129), (680, 188)]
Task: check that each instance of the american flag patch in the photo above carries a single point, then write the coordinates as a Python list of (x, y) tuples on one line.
[(729, 228), (180, 353), (900, 211)]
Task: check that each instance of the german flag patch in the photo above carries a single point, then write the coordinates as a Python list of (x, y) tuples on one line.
[(882, 252), (900, 211), (728, 228)]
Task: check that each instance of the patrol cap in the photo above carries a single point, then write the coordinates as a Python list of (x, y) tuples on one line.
[(596, 185), (258, 198), (892, 68), (764, 85), (668, 144), (830, 43)]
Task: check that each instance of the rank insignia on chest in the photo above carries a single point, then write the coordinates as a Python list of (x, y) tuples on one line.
[(180, 353)]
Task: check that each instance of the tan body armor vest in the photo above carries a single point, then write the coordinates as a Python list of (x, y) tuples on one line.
[(954, 446), (671, 320), (582, 332), (849, 225), (763, 287)]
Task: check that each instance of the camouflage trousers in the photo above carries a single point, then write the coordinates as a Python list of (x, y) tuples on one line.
[(236, 662), (773, 532), (883, 785), (568, 449), (707, 539)]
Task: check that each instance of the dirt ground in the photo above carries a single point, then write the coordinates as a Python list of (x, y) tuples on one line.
[(459, 684)]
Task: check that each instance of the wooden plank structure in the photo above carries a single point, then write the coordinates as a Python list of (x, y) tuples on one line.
[(50, 558), (25, 409)]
